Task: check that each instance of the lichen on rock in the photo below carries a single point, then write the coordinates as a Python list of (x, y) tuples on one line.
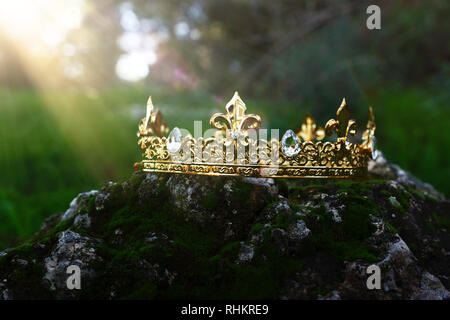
[(71, 249)]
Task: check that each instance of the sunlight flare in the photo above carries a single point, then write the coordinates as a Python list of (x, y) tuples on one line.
[(32, 23)]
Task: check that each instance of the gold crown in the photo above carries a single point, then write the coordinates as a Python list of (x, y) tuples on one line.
[(237, 148)]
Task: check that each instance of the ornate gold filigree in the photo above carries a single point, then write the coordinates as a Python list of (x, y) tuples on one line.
[(309, 131)]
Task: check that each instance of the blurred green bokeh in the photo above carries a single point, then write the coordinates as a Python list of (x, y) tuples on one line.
[(68, 118)]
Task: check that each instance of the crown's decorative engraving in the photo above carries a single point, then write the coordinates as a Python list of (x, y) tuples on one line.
[(343, 125), (309, 131), (240, 153), (235, 121)]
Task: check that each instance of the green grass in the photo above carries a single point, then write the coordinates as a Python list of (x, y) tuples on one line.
[(54, 145), (411, 132)]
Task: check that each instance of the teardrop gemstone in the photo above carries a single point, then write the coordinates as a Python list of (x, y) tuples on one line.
[(373, 148), (173, 141), (290, 144)]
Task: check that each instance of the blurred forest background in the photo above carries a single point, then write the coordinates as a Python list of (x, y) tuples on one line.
[(75, 76)]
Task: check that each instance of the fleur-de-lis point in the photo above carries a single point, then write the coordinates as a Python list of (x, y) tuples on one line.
[(343, 105), (343, 125), (149, 111), (235, 119), (309, 131), (153, 123), (370, 129)]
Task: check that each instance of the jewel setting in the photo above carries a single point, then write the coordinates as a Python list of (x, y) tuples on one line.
[(174, 140), (290, 144)]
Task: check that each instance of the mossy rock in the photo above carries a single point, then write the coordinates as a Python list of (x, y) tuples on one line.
[(158, 236)]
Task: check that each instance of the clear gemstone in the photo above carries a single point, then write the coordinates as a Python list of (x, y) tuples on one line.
[(290, 144), (174, 140), (372, 148), (234, 134)]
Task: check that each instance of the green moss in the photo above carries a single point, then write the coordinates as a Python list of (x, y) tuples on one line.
[(125, 219), (352, 250), (162, 192), (355, 218), (213, 199), (390, 227), (283, 187), (146, 290), (210, 201), (263, 277), (125, 266), (282, 220), (230, 249), (403, 197), (413, 248), (320, 212), (188, 249), (429, 225), (242, 191), (304, 190), (192, 252), (28, 280), (385, 193), (431, 198), (294, 206), (21, 250), (396, 205), (341, 251), (262, 280), (320, 291), (136, 180), (356, 187), (91, 205), (420, 194), (215, 259), (417, 194), (117, 197), (442, 221), (63, 225), (25, 279), (346, 240), (257, 227)]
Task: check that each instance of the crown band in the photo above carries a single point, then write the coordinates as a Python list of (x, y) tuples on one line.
[(235, 149)]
